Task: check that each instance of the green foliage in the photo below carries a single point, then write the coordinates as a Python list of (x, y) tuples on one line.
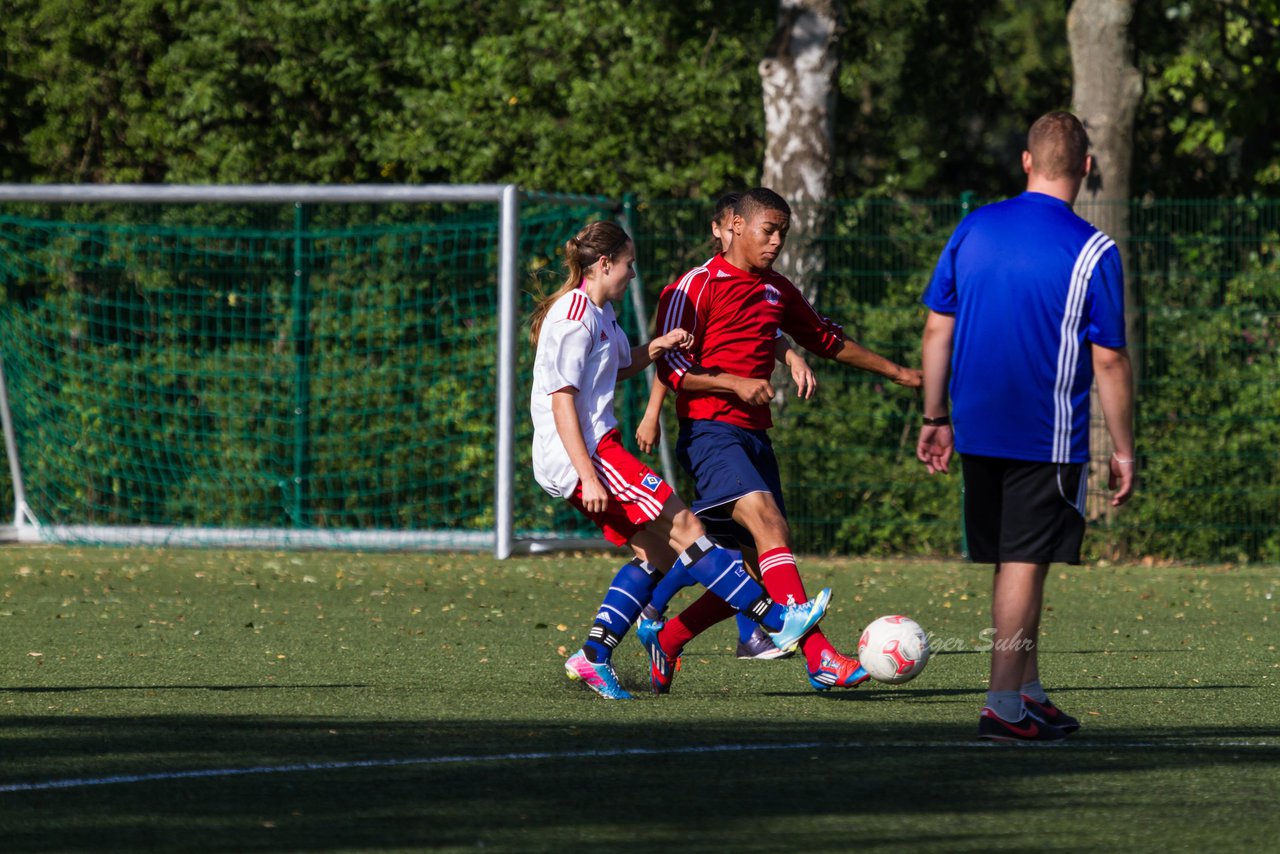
[(936, 95), (1211, 71), (604, 96), (448, 91), (1207, 427)]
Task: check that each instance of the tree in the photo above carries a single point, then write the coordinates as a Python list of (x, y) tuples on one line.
[(1107, 90), (798, 74)]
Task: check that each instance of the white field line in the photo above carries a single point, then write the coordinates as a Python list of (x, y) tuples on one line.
[(305, 767)]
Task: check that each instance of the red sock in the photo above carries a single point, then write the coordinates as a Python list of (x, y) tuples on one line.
[(707, 610), (781, 579)]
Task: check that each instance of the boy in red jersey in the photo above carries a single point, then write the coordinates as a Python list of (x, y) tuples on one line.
[(753, 642), (734, 306)]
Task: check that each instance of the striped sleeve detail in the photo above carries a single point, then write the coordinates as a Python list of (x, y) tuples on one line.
[(811, 330), (577, 306), (1069, 342), (679, 312)]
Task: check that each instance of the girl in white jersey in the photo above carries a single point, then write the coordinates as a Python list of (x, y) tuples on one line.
[(578, 455)]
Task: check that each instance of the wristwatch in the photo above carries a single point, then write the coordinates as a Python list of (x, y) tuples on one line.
[(940, 421)]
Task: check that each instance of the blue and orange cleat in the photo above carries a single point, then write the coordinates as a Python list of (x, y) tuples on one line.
[(662, 667), (797, 620), (599, 677), (837, 671)]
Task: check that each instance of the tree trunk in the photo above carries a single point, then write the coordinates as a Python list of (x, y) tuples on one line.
[(799, 78), (798, 74), (1106, 90)]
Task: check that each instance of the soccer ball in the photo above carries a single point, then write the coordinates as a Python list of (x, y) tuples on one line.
[(893, 649)]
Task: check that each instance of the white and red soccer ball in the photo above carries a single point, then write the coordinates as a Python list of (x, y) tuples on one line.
[(893, 649)]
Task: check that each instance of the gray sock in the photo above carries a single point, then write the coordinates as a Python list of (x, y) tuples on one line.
[(1007, 704), (1035, 691)]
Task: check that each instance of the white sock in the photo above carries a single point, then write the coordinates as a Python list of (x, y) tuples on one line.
[(1035, 691), (1007, 705)]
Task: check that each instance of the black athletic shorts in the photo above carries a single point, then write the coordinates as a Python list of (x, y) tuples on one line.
[(1023, 512)]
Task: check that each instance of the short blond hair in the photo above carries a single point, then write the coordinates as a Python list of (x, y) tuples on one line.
[(1059, 145)]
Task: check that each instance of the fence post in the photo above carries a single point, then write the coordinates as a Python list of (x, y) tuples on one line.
[(11, 450), (642, 321), (301, 364)]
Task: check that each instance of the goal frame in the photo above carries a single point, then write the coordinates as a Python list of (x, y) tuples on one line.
[(26, 526)]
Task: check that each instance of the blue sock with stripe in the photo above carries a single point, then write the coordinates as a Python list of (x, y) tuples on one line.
[(676, 579), (721, 571), (628, 594), (746, 628)]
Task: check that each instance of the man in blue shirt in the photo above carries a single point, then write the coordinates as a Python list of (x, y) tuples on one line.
[(1026, 308)]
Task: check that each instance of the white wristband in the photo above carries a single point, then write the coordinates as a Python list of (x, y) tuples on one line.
[(1116, 457)]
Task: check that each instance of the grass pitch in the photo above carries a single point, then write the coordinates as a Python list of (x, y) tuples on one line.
[(202, 700)]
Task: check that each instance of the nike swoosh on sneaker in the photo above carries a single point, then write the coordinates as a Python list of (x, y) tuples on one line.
[(1030, 730)]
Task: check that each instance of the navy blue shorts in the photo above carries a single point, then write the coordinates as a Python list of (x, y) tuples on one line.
[(727, 462)]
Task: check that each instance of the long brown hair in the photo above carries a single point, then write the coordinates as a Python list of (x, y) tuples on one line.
[(604, 239)]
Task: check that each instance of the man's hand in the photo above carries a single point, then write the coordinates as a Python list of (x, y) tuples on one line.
[(753, 391), (1122, 478), (802, 375), (935, 447), (909, 377)]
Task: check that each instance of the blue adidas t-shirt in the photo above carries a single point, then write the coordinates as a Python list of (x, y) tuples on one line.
[(1031, 285)]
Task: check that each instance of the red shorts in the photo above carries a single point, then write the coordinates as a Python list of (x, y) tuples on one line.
[(636, 494)]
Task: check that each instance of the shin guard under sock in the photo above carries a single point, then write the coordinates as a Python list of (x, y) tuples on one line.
[(627, 595), (721, 572)]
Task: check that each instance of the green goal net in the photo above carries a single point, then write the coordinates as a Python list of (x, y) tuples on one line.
[(273, 373)]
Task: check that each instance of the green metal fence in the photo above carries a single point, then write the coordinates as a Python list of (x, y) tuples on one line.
[(1206, 275)]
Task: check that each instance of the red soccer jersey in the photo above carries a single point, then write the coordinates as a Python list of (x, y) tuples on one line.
[(735, 317)]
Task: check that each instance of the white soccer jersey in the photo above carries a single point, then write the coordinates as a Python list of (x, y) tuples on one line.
[(581, 346)]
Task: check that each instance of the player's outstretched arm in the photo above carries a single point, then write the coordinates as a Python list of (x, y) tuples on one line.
[(1114, 373), (855, 355), (643, 355)]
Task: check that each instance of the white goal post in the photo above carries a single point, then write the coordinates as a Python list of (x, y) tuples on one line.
[(509, 404)]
